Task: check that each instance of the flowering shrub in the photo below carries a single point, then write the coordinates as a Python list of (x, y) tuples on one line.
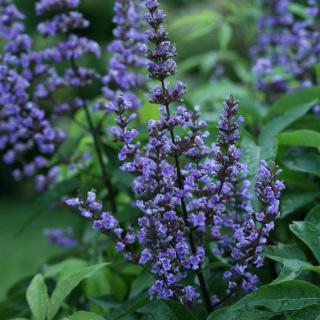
[(183, 209)]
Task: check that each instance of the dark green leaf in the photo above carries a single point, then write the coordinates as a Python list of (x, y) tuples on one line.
[(140, 284), (284, 252), (309, 231), (271, 300), (129, 307), (307, 163), (294, 201), (276, 125), (311, 312), (306, 96)]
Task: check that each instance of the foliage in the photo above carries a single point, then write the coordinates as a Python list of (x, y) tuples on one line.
[(91, 280)]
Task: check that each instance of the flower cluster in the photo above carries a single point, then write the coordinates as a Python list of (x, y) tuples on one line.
[(194, 199), (124, 73), (45, 6), (287, 49), (68, 50), (103, 221), (12, 28), (60, 238), (124, 68), (24, 126)]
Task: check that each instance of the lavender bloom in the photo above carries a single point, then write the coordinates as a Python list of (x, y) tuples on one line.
[(122, 107), (70, 50), (105, 222), (44, 6), (124, 68), (24, 128), (287, 49), (12, 29), (63, 23), (123, 73), (61, 238)]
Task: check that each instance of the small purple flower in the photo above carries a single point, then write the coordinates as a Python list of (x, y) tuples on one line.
[(61, 238)]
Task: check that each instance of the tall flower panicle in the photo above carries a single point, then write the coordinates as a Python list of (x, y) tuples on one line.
[(287, 50), (27, 137), (70, 50), (12, 28), (125, 66), (252, 232), (125, 74)]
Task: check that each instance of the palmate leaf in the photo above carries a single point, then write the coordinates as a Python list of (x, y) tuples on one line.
[(271, 300), (309, 231)]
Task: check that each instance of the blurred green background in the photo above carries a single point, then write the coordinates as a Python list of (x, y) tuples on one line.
[(212, 39)]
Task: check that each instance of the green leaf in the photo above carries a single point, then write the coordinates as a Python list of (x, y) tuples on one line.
[(284, 252), (129, 307), (314, 216), (37, 297), (306, 138), (306, 163), (224, 35), (294, 201), (311, 312), (66, 283), (299, 10), (64, 266), (84, 315), (271, 300), (276, 125), (288, 102), (197, 25), (252, 154), (292, 268), (293, 260), (140, 284), (309, 231), (98, 285)]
